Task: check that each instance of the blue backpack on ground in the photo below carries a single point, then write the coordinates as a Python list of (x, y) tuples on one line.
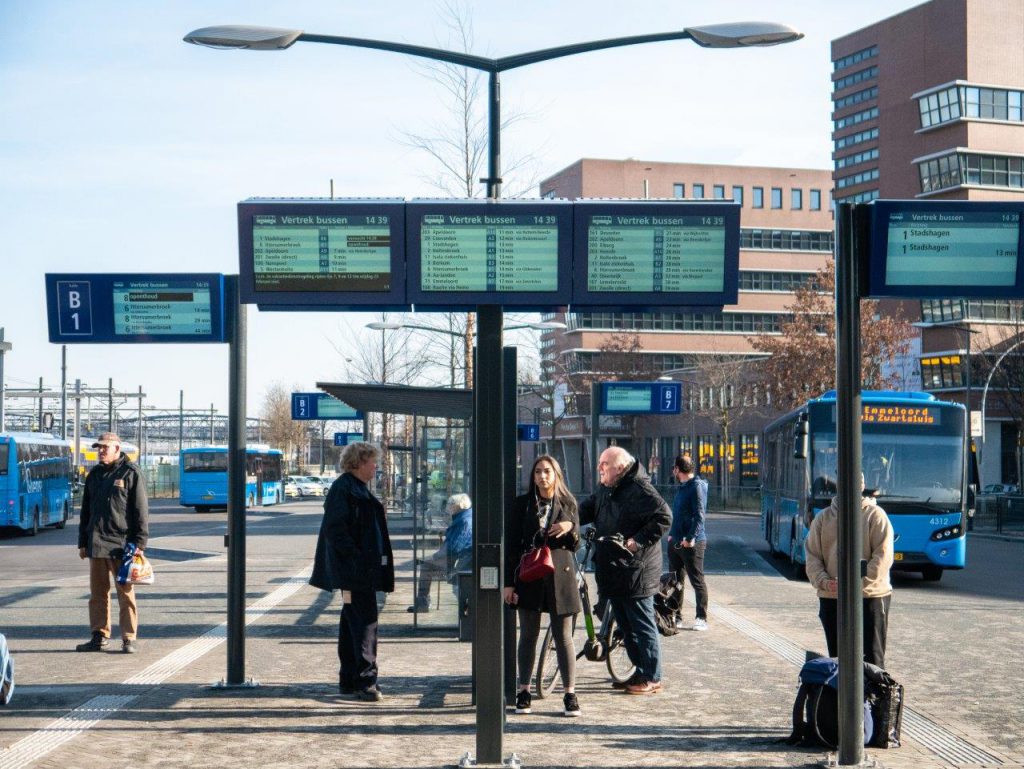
[(816, 709), (6, 672)]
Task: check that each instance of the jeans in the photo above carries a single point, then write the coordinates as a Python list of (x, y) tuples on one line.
[(876, 627), (640, 633), (691, 561), (357, 641)]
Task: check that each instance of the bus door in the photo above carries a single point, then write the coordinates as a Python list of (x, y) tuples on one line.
[(258, 471)]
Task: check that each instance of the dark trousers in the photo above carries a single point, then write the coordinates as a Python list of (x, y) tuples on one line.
[(639, 634), (357, 641), (691, 561), (876, 627)]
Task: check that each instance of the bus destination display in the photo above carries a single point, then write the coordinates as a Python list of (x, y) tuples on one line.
[(162, 307), (655, 253), (952, 248), (502, 252), (321, 252)]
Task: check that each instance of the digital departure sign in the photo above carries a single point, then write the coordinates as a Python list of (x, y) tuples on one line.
[(467, 253), (655, 253), (946, 249), (342, 253), (900, 415), (641, 397), (163, 307)]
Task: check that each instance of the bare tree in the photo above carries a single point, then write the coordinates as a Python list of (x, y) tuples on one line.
[(279, 429), (802, 362)]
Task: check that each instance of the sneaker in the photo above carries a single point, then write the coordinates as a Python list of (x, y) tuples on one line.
[(95, 644), (700, 624), (642, 686), (571, 705), (370, 694), (523, 701), (128, 646)]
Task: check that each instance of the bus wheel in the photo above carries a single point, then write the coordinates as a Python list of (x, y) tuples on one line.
[(202, 508), (63, 521), (931, 573)]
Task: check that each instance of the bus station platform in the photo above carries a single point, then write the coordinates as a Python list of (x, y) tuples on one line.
[(726, 701)]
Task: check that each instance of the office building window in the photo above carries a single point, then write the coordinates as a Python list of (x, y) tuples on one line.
[(857, 138), (939, 173), (718, 191), (855, 118), (953, 170), (856, 77), (776, 197), (764, 280), (950, 103), (863, 177), (737, 194), (939, 107), (796, 199), (550, 194), (679, 190), (698, 191), (856, 98), (815, 200), (855, 58), (758, 197), (854, 160), (860, 197), (786, 240), (942, 372), (735, 322)]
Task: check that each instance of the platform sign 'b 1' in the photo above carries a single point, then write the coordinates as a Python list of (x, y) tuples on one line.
[(74, 303)]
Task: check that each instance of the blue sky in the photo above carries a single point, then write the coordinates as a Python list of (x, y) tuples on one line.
[(123, 149)]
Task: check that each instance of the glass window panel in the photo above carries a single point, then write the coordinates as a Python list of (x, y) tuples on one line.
[(796, 199), (758, 197), (776, 197), (679, 190), (737, 194), (698, 191)]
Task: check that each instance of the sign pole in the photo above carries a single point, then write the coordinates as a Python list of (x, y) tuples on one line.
[(848, 439), (595, 431), (511, 485), (236, 484)]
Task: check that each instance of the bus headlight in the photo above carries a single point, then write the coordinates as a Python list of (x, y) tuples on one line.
[(947, 533)]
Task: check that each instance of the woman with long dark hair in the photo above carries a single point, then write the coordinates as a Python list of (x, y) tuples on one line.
[(545, 514)]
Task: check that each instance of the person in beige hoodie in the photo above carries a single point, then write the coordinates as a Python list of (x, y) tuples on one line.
[(822, 553)]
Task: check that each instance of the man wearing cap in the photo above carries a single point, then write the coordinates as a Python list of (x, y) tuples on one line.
[(115, 511), (822, 554)]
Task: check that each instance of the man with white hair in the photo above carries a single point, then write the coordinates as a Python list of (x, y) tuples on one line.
[(630, 518), (454, 552)]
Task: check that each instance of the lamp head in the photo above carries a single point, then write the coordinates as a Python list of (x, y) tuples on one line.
[(385, 325), (244, 36), (742, 34)]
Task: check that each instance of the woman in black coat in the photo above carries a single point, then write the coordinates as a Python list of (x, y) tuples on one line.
[(546, 512)]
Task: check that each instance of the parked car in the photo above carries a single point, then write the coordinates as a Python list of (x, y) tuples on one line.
[(999, 488), (308, 486), (291, 488), (327, 481)]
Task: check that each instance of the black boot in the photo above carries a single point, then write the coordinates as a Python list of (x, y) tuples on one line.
[(96, 644)]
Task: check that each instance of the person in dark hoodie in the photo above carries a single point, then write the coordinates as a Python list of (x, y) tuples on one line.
[(115, 512), (630, 518), (353, 554)]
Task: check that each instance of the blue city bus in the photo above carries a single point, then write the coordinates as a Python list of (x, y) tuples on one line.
[(204, 477), (914, 454), (36, 479)]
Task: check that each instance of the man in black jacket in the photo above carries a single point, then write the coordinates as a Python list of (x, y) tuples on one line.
[(115, 511), (630, 519), (353, 555)]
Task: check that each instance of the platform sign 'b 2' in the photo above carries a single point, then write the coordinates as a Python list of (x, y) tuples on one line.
[(74, 307)]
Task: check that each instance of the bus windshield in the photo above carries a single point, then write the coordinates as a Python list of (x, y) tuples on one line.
[(923, 468)]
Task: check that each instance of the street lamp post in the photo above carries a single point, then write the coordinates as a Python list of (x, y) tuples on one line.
[(489, 402), (984, 396)]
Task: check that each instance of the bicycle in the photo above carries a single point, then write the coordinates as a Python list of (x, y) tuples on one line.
[(605, 645)]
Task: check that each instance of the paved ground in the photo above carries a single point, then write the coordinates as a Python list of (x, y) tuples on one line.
[(726, 701)]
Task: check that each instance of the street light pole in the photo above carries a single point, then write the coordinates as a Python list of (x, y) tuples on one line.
[(984, 397), (488, 389), (4, 348)]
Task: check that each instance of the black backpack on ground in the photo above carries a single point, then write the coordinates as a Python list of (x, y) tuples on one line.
[(667, 602), (816, 708), (885, 696)]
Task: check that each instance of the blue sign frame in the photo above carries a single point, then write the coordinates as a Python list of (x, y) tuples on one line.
[(927, 261), (322, 290), (484, 215), (638, 217), (641, 398), (320, 405), (135, 308), (528, 432), (343, 439)]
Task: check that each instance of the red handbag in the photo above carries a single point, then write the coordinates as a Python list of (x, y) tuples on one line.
[(535, 564)]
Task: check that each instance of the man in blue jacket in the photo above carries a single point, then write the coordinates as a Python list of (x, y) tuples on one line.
[(353, 555), (455, 553), (687, 539)]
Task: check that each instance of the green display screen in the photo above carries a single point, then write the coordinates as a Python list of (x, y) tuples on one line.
[(162, 307)]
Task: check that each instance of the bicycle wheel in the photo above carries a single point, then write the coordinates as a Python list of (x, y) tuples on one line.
[(547, 666), (620, 666)]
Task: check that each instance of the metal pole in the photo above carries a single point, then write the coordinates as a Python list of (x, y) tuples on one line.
[(595, 432), (181, 422), (4, 347), (509, 420), (39, 423), (323, 427), (64, 391), (236, 485), (78, 425), (213, 436), (417, 521), (110, 404), (488, 529), (138, 430), (848, 424)]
